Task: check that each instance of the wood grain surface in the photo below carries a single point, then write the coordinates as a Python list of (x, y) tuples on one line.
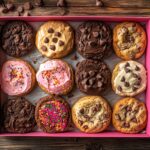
[(81, 7)]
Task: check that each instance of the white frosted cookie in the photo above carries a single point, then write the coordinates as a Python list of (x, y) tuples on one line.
[(129, 78), (91, 114), (55, 39)]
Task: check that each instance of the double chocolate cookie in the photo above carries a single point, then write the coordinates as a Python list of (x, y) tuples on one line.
[(17, 38), (94, 40), (19, 116), (92, 77)]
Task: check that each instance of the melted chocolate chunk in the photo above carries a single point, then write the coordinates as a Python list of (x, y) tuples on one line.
[(46, 40), (50, 30), (82, 111), (61, 43), (137, 68), (123, 79), (127, 65), (119, 88), (58, 34), (52, 47), (127, 70), (126, 84), (55, 40), (85, 127), (44, 48)]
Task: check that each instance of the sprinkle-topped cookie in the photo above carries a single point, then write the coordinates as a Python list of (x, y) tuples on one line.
[(18, 77), (52, 114), (55, 77), (129, 78)]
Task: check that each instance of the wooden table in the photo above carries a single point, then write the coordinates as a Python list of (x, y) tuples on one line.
[(82, 7)]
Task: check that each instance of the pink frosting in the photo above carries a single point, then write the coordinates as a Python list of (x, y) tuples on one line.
[(55, 76), (16, 77)]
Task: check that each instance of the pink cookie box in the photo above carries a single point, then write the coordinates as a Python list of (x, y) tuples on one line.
[(105, 134)]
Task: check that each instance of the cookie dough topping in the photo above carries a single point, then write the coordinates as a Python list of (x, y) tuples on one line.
[(16, 77), (131, 77)]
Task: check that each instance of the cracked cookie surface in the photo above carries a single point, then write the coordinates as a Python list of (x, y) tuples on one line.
[(129, 40), (91, 114), (129, 115)]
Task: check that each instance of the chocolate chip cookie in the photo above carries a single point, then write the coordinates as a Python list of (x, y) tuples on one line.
[(19, 116), (129, 115), (92, 77), (129, 78), (94, 40), (91, 114), (129, 40), (17, 38), (55, 39)]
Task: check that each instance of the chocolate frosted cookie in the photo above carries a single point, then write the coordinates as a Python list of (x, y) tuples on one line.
[(17, 38), (93, 40), (19, 116), (92, 77)]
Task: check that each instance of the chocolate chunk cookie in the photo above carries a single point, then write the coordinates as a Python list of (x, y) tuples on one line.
[(129, 78), (92, 77), (94, 40), (19, 116), (91, 114), (17, 38), (129, 115)]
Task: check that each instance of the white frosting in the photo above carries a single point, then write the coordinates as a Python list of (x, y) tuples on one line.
[(130, 78)]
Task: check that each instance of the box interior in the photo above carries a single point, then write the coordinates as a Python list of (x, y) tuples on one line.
[(107, 133)]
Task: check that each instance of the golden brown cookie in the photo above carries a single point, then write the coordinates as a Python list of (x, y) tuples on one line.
[(55, 39), (91, 114), (129, 40), (129, 78), (129, 115)]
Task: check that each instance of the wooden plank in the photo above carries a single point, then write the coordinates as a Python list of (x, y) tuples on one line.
[(73, 144), (53, 11), (89, 3)]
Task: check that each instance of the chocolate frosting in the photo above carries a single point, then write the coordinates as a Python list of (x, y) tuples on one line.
[(92, 77), (94, 40), (19, 116)]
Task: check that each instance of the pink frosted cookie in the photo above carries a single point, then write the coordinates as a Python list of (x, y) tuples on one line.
[(55, 77), (52, 114), (18, 77)]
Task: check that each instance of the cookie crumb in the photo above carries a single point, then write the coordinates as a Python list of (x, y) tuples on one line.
[(74, 57), (20, 9), (61, 3), (4, 10), (39, 3), (27, 14), (28, 6), (70, 95), (99, 3)]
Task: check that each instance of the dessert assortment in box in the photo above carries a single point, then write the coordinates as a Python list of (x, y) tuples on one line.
[(73, 76)]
